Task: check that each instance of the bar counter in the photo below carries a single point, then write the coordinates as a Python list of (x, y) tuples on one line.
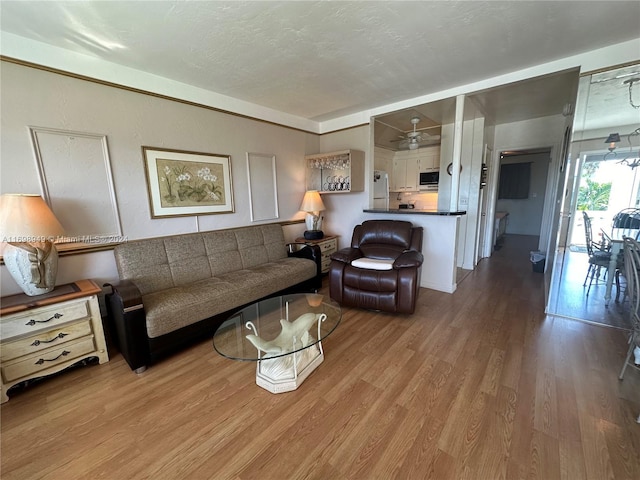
[(415, 211)]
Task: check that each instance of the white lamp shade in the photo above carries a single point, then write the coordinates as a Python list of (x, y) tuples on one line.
[(27, 218), (312, 202), (29, 227)]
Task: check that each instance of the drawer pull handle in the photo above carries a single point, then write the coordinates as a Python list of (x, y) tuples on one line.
[(32, 322), (38, 342), (42, 360)]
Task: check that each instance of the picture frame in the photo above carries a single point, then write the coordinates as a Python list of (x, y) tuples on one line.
[(182, 183)]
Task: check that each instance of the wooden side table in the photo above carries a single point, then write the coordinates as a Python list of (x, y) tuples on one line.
[(328, 245), (47, 333)]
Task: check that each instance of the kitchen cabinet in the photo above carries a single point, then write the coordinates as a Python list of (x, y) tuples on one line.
[(335, 172), (404, 177), (429, 158)]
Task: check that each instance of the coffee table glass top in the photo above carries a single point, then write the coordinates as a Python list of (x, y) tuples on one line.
[(277, 326)]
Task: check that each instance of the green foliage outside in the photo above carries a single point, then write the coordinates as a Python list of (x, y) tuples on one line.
[(593, 196)]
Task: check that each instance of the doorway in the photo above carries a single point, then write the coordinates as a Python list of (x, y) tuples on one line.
[(522, 188)]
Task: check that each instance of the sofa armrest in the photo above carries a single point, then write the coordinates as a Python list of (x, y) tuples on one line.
[(303, 250), (312, 252), (347, 255), (128, 292), (126, 311), (408, 259)]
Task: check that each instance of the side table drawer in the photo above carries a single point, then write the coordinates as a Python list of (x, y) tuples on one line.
[(328, 248), (45, 334), (43, 340), (329, 245), (32, 322), (326, 263), (27, 365)]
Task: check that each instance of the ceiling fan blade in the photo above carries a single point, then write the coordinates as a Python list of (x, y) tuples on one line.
[(431, 140)]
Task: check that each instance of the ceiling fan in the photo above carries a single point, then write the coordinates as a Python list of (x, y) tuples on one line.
[(415, 139)]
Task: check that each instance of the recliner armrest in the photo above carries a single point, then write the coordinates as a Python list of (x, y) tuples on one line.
[(347, 255), (408, 259)]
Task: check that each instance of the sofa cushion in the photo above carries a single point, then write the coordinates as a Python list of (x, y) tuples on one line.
[(252, 249), (176, 307), (222, 251), (146, 263), (166, 262), (187, 257), (372, 263)]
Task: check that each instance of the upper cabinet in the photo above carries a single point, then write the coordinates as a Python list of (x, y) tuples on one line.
[(336, 172), (408, 164), (404, 177), (429, 158)]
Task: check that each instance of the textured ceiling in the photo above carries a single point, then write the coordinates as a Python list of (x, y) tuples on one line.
[(322, 60)]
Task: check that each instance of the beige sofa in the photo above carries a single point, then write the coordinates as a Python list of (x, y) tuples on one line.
[(178, 288)]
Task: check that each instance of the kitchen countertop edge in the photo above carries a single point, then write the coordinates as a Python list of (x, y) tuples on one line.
[(415, 211)]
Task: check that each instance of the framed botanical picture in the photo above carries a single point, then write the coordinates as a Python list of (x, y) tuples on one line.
[(184, 183)]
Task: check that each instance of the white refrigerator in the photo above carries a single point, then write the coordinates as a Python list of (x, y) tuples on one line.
[(380, 189)]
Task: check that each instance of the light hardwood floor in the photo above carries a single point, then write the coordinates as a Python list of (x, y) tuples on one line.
[(478, 384)]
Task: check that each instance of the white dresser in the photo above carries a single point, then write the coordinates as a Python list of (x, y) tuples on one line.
[(45, 334)]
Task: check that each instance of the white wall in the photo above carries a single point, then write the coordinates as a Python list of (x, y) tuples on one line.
[(32, 97), (470, 194)]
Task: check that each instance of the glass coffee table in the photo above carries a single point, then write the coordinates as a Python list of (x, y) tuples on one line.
[(283, 335)]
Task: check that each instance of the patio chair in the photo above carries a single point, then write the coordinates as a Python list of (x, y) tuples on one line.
[(599, 255)]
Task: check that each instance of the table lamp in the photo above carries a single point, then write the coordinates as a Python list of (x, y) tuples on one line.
[(312, 204), (28, 226)]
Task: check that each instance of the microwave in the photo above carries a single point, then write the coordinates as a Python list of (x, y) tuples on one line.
[(429, 180)]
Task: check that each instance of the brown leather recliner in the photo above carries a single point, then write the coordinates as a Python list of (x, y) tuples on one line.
[(388, 278)]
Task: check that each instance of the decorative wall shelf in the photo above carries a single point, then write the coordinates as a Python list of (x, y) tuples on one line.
[(335, 172)]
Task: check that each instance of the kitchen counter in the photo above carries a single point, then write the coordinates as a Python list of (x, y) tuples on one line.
[(415, 211)]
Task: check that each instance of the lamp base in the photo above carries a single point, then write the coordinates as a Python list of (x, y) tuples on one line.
[(21, 265), (313, 234)]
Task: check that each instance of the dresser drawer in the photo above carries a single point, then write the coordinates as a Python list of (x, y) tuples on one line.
[(43, 340), (25, 366), (329, 246), (31, 322)]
